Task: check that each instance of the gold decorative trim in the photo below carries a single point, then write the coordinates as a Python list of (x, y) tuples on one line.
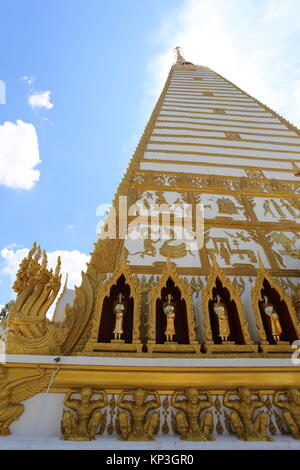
[(205, 271), (151, 180), (115, 378)]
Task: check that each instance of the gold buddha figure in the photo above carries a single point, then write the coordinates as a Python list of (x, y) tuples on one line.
[(169, 309), (220, 310), (269, 309), (119, 311)]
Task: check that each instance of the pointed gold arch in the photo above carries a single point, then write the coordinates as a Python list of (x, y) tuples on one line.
[(248, 346), (169, 272), (263, 274), (104, 291)]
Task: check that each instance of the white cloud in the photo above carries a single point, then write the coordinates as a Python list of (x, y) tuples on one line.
[(71, 227), (72, 263), (252, 43), (40, 99), (28, 79), (19, 154)]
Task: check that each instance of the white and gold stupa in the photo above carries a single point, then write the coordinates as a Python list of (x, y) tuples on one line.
[(184, 342)]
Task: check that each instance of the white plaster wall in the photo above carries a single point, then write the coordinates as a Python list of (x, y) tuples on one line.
[(229, 143), (246, 130), (207, 105), (223, 151), (211, 210), (250, 125), (208, 159), (217, 234), (41, 417), (227, 116), (200, 170), (197, 132), (273, 216)]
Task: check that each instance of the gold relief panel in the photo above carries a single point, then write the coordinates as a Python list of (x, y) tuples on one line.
[(286, 248), (284, 210), (224, 207), (234, 248)]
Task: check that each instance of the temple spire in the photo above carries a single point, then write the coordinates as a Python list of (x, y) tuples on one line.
[(180, 60)]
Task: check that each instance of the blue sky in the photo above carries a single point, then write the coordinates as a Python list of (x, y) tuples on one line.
[(103, 64)]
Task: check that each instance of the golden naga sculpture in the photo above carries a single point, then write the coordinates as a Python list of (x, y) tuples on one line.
[(169, 309), (12, 392), (191, 426), (220, 310), (29, 331), (85, 426), (242, 418), (269, 309), (139, 426), (291, 407), (119, 311)]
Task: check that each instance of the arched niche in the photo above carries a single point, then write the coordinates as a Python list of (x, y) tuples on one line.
[(239, 338), (102, 337), (181, 324), (107, 322), (236, 334), (266, 285), (185, 340)]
